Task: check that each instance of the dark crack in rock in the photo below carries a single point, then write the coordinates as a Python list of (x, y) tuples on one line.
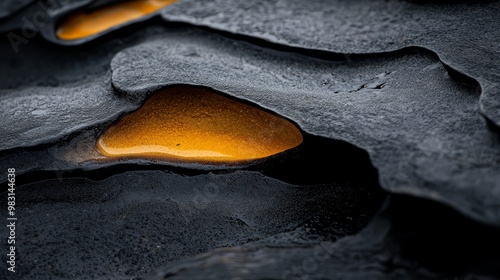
[(464, 35), (423, 130), (409, 239), (124, 226)]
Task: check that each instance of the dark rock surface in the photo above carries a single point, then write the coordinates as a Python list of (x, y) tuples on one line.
[(42, 114), (423, 130), (124, 226), (421, 122), (8, 7), (409, 239), (464, 34), (48, 92)]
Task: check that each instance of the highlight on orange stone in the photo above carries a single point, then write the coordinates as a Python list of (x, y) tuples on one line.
[(193, 124), (82, 24)]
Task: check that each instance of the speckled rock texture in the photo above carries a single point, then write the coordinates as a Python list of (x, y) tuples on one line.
[(464, 34), (126, 225), (423, 130), (42, 114), (400, 243), (48, 92), (410, 87)]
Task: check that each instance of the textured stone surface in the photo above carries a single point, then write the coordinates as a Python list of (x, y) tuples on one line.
[(38, 115), (464, 35), (400, 243), (48, 92), (124, 226), (423, 130)]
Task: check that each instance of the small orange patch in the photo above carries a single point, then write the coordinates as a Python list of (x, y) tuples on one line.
[(81, 25)]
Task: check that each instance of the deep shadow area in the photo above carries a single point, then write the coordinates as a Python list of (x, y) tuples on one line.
[(319, 160), (437, 237)]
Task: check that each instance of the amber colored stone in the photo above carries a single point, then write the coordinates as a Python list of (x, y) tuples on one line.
[(194, 124), (84, 24)]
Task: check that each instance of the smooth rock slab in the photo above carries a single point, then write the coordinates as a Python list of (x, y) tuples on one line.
[(423, 130)]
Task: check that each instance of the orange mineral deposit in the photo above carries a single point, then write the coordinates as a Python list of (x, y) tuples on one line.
[(84, 24), (193, 124)]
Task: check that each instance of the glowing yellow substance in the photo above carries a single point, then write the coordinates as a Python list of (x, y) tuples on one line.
[(82, 25), (198, 125)]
